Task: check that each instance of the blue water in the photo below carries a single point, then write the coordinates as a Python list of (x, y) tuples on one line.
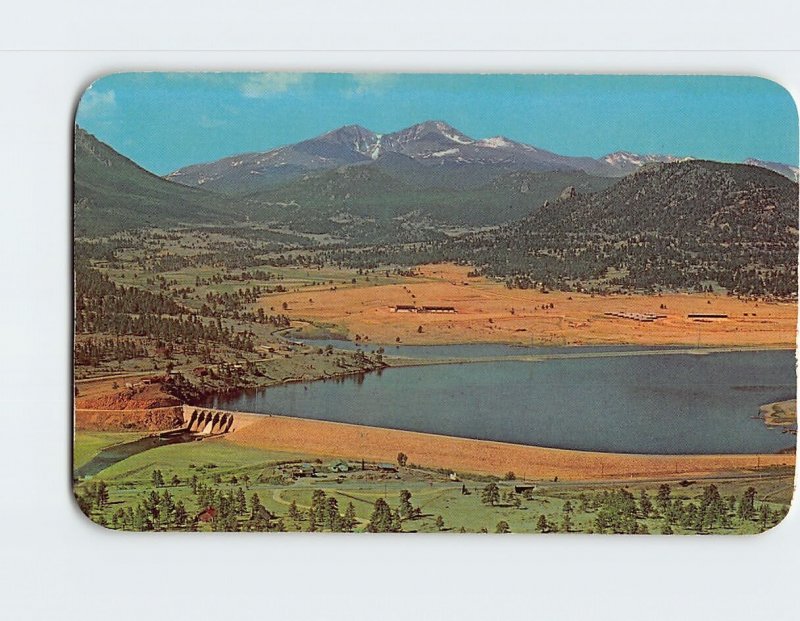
[(670, 403)]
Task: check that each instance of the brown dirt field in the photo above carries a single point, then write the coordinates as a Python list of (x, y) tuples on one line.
[(477, 456), (157, 419), (101, 407), (485, 314), (101, 395)]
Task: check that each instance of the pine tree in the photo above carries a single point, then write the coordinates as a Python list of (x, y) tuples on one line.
[(747, 509), (157, 478), (381, 520), (490, 494), (240, 501), (542, 525), (349, 519), (406, 508)]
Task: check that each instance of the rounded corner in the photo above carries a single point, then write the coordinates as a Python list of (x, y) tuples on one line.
[(781, 520), (86, 517), (792, 97), (86, 87)]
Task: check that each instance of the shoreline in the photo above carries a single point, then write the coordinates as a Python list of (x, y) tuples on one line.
[(400, 361), (423, 342), (354, 441), (347, 440)]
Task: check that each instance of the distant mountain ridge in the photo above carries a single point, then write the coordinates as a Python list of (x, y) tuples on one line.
[(791, 172), (320, 202), (680, 225), (431, 144), (112, 193)]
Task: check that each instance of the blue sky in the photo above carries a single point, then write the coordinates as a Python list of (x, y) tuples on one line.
[(164, 121)]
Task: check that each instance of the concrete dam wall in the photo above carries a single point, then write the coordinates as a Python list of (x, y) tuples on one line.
[(207, 422)]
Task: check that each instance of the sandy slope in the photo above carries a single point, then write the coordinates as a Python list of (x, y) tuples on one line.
[(464, 455)]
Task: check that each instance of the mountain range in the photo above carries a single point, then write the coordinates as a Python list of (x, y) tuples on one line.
[(446, 155), (361, 186), (432, 144)]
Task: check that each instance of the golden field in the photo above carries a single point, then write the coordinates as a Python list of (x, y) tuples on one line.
[(489, 312), (328, 439)]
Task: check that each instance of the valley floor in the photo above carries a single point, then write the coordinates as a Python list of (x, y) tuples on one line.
[(488, 312), (109, 412)]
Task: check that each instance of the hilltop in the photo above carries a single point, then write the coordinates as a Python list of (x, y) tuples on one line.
[(693, 224), (112, 193)]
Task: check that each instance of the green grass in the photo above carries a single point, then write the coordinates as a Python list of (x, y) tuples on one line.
[(216, 461), (177, 458), (90, 443)]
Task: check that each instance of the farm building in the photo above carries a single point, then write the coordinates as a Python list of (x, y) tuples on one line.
[(410, 308), (339, 466), (207, 515), (643, 317), (304, 470), (707, 316), (387, 467)]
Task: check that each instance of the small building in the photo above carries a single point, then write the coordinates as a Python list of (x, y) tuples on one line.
[(707, 316), (304, 470), (453, 476), (405, 308), (387, 467), (207, 514), (643, 317), (521, 488), (339, 466), (438, 309)]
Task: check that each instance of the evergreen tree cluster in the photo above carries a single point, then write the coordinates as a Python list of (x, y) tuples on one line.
[(93, 351), (104, 307)]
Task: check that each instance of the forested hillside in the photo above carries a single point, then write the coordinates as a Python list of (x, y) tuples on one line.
[(681, 225), (111, 194), (325, 201)]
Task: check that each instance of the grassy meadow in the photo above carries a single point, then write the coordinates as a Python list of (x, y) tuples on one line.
[(223, 470)]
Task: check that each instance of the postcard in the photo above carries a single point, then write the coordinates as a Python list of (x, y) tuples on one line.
[(423, 303)]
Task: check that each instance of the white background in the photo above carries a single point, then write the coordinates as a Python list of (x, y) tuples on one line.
[(55, 564)]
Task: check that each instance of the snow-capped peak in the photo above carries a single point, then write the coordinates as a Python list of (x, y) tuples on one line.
[(495, 142), (623, 157), (625, 160), (375, 151), (456, 137)]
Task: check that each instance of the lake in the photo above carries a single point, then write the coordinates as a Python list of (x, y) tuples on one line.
[(674, 403)]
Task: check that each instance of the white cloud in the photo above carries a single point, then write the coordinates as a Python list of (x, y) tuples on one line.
[(97, 103), (366, 83), (266, 84)]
